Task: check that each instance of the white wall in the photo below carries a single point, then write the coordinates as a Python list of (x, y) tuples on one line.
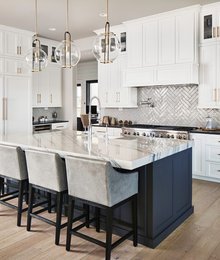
[(86, 71)]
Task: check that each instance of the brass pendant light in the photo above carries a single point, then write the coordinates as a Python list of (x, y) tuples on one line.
[(36, 58), (67, 53), (106, 46)]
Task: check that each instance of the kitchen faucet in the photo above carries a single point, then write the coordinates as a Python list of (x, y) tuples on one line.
[(90, 116)]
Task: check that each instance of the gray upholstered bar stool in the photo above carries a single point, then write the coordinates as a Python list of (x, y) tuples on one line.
[(13, 168), (46, 172), (99, 184)]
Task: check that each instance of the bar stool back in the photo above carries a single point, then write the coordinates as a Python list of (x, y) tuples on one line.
[(46, 171), (13, 167), (100, 185)]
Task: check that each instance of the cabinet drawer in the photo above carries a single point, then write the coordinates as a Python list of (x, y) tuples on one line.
[(212, 153), (212, 140), (59, 126), (213, 169)]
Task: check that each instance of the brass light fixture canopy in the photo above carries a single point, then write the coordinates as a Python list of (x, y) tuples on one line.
[(106, 46), (67, 53), (36, 58)]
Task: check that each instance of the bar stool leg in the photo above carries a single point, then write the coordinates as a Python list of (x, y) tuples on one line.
[(97, 217), (30, 206), (134, 219), (49, 201), (20, 201), (108, 234), (59, 216), (70, 222), (1, 186), (26, 192), (86, 209)]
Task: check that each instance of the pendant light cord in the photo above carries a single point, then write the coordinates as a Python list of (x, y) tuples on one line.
[(107, 11), (36, 21), (67, 15)]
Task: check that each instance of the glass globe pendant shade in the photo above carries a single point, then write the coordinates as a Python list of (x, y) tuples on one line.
[(36, 58), (67, 53)]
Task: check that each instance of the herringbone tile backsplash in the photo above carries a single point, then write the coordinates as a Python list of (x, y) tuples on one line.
[(173, 105)]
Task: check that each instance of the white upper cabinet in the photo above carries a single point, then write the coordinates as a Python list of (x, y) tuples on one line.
[(167, 40), (16, 43), (47, 87), (209, 92), (186, 35), (150, 43), (16, 67), (210, 23), (161, 46), (134, 45)]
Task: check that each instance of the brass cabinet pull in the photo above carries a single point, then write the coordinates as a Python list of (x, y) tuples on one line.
[(38, 98), (117, 96), (214, 94), (17, 50), (51, 98), (20, 50), (214, 32), (218, 31)]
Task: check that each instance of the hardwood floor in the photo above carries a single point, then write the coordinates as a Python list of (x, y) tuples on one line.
[(197, 238)]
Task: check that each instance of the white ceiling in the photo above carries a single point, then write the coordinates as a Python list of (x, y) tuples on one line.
[(84, 14)]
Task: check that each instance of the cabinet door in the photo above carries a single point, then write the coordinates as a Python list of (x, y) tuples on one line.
[(167, 40), (55, 87), (1, 105), (134, 45), (185, 37), (18, 105), (16, 67), (208, 92), (12, 44), (198, 157), (43, 88), (150, 43), (25, 42)]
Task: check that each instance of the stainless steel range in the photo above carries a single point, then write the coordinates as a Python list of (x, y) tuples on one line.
[(175, 132)]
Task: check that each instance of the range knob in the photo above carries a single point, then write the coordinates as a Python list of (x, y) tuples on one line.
[(134, 133), (172, 136), (138, 133), (168, 135), (161, 135), (125, 132), (180, 136), (184, 137), (144, 134), (129, 133), (152, 134)]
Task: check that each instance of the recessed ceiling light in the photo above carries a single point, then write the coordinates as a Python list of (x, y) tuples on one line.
[(102, 14), (52, 29)]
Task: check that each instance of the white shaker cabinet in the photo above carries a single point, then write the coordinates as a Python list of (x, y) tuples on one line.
[(16, 67), (209, 88), (163, 49), (47, 87), (16, 43), (15, 112), (167, 38), (210, 23), (206, 156), (134, 45)]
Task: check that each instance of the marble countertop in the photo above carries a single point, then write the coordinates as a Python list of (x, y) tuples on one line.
[(124, 152)]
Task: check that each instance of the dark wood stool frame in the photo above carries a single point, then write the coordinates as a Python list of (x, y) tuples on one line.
[(19, 193), (109, 220), (58, 205)]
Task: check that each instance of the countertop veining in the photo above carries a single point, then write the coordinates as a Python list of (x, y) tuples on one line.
[(124, 152)]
